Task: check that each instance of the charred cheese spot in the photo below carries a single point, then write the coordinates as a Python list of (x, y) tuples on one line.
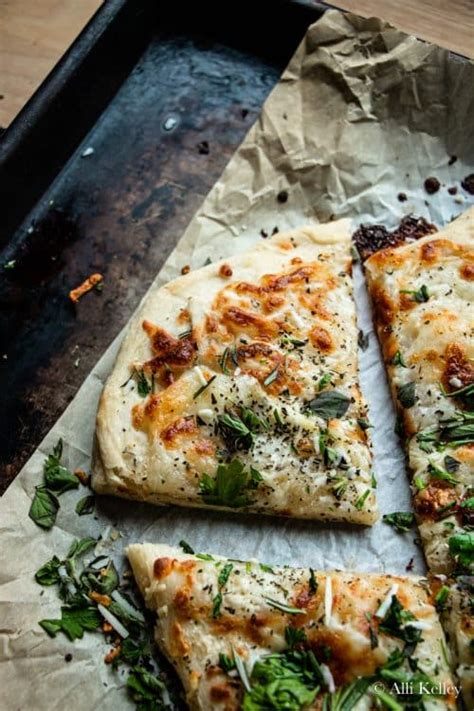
[(174, 353), (457, 367), (220, 692), (238, 320), (225, 271), (429, 501), (162, 567), (347, 662), (467, 271), (273, 302), (184, 316), (321, 339), (205, 447), (428, 252), (178, 639), (184, 426)]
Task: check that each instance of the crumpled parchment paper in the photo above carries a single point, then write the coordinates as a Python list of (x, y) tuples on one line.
[(362, 113)]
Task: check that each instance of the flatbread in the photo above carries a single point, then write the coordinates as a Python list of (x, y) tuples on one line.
[(249, 373), (423, 295), (212, 611)]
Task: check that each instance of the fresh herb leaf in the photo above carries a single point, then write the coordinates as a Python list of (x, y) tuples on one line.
[(56, 477), (346, 698), (85, 505), (399, 360), (437, 473), (374, 640), (216, 605), (400, 520), (144, 688), (421, 295), (238, 431), (132, 651), (441, 598), (455, 431), (186, 547), (223, 576), (143, 386), (406, 395), (330, 404), (204, 387), (204, 556), (74, 622), (359, 504), (266, 568), (294, 636), (44, 508), (325, 380), (394, 625), (283, 607), (223, 361), (363, 424), (226, 663), (48, 574), (461, 547), (104, 581), (271, 377), (464, 394), (81, 546), (229, 486)]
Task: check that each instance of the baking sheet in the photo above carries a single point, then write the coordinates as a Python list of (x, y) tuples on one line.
[(362, 113)]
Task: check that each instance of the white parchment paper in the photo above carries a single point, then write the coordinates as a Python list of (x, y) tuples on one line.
[(362, 113)]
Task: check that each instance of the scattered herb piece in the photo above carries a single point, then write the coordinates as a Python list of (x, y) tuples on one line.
[(85, 505), (438, 473), (359, 504), (230, 485), (406, 395), (48, 574), (271, 377), (421, 295), (400, 520), (330, 404), (325, 380), (216, 605), (144, 688), (186, 547), (399, 360), (451, 464), (283, 607), (313, 583), (204, 387), (461, 546), (44, 508), (363, 339), (294, 636), (224, 574), (143, 386), (441, 598)]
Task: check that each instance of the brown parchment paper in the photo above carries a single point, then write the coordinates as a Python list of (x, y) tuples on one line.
[(362, 113)]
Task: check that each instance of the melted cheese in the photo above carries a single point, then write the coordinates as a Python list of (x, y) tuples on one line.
[(247, 625)]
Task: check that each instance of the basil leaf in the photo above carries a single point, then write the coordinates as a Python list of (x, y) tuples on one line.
[(80, 546), (59, 479), (400, 520), (330, 404), (48, 574), (74, 622), (44, 508), (85, 506), (406, 395)]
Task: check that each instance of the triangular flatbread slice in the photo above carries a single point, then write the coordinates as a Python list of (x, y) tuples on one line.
[(423, 294), (253, 637), (237, 387)]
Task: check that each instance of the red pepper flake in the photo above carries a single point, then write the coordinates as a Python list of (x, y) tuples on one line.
[(410, 565), (86, 286), (186, 269), (453, 190), (225, 271), (468, 184)]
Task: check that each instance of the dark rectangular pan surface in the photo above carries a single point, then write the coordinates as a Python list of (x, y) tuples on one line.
[(162, 93)]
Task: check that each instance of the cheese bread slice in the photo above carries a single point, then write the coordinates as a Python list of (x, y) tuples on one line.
[(237, 388), (253, 637), (423, 296)]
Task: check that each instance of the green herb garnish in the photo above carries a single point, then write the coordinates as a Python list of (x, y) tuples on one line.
[(288, 609), (271, 377), (204, 387), (186, 547), (399, 360), (85, 505), (330, 404), (230, 485), (421, 295), (44, 508), (400, 520), (406, 395)]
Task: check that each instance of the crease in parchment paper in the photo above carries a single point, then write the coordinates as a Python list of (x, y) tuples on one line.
[(362, 112)]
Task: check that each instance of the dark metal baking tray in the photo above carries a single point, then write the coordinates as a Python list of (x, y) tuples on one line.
[(163, 93)]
